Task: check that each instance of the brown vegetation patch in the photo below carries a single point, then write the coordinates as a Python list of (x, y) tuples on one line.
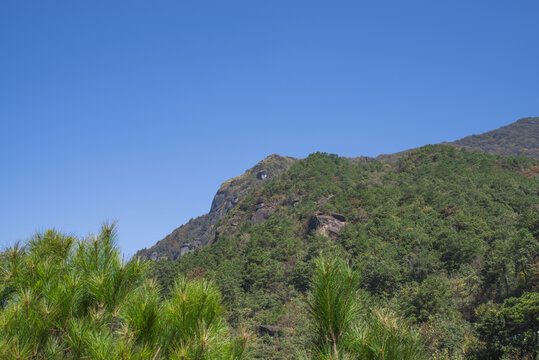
[(531, 172)]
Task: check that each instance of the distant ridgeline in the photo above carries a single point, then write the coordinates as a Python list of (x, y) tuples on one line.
[(518, 138)]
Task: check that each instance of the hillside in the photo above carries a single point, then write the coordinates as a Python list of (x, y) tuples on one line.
[(518, 138), (434, 256), (443, 236), (200, 231)]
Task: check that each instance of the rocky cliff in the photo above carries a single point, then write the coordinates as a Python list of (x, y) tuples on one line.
[(200, 231)]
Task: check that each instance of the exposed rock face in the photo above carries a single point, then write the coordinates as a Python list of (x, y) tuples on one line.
[(327, 225), (262, 212), (360, 159), (189, 247), (200, 231), (221, 205), (233, 190), (268, 329)]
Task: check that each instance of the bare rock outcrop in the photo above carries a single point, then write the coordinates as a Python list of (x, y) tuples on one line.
[(262, 212), (201, 231), (269, 329), (327, 225)]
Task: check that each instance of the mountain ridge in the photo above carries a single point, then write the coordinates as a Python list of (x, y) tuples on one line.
[(445, 237), (199, 231), (518, 138)]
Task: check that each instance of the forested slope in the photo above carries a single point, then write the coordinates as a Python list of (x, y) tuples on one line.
[(518, 138), (433, 256), (445, 238)]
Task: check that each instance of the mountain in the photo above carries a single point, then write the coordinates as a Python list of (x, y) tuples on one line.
[(445, 237), (199, 232), (518, 138)]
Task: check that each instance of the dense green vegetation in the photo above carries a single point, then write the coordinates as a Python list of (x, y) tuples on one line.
[(344, 328), (446, 239), (434, 256), (68, 299)]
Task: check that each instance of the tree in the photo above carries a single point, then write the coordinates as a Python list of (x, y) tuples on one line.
[(344, 330), (510, 330), (68, 299)]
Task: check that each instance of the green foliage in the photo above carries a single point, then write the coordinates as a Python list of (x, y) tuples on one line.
[(333, 304), (438, 258), (432, 297), (346, 330), (69, 299), (511, 329), (432, 237)]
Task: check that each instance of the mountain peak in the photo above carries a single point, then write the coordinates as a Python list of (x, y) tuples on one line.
[(200, 231)]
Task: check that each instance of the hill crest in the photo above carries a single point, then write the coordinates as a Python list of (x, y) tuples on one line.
[(518, 138)]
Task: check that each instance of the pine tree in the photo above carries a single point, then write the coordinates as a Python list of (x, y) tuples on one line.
[(63, 298), (344, 329)]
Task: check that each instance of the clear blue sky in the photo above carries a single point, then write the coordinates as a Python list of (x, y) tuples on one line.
[(138, 110)]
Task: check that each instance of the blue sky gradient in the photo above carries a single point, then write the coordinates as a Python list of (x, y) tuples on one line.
[(137, 111)]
